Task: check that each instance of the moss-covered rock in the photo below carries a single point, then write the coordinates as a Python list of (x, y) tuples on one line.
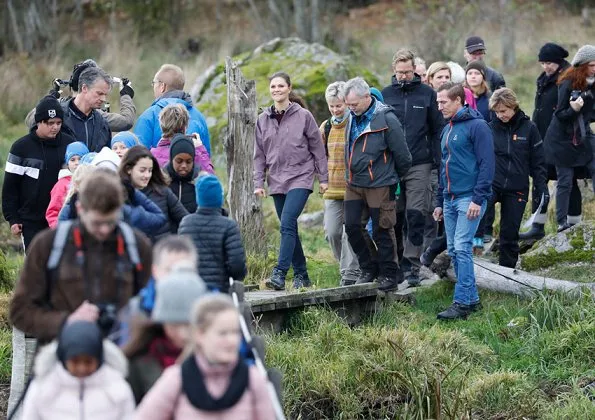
[(576, 244), (311, 68)]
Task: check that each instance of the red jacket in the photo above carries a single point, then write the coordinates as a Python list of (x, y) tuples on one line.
[(57, 197)]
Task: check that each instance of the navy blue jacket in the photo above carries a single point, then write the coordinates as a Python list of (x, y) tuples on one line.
[(467, 167)]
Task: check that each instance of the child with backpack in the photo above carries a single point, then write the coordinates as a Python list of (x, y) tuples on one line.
[(73, 156), (79, 376), (213, 381)]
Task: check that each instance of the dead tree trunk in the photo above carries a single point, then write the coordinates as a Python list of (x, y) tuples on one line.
[(507, 33), (244, 206)]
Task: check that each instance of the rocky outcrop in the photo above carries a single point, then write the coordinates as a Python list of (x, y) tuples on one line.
[(576, 244), (311, 68)]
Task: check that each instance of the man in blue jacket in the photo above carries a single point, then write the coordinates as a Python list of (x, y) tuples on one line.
[(168, 87), (466, 175)]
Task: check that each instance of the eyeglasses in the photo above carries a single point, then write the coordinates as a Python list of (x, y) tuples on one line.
[(155, 81), (403, 73)]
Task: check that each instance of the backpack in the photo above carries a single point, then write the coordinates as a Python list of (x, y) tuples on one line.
[(327, 131), (63, 230)]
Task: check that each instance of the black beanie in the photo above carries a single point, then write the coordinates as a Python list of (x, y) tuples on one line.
[(181, 143), (553, 53), (80, 338), (47, 108), (479, 66)]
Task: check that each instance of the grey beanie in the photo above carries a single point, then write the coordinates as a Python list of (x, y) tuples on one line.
[(176, 294), (585, 54)]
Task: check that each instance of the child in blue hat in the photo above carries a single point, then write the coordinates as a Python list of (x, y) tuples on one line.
[(123, 141), (75, 152)]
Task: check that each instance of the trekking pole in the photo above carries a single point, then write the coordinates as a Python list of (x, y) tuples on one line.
[(257, 357)]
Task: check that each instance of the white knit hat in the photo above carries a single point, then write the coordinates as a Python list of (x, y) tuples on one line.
[(176, 294), (585, 54), (107, 158)]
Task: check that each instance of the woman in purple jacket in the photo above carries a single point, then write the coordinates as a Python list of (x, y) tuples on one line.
[(289, 150)]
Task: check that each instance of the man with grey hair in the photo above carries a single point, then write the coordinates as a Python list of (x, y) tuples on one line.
[(168, 88), (333, 132), (82, 119), (415, 106), (376, 156)]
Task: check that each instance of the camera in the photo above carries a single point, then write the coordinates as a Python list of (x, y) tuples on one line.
[(108, 315), (575, 94)]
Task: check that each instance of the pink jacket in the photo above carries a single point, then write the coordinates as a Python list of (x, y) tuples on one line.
[(55, 394), (58, 195), (201, 157), (167, 401)]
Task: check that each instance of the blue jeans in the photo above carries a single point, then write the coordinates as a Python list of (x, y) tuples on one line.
[(459, 238), (289, 207)]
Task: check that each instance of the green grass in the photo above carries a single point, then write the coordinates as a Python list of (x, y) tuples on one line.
[(579, 272), (514, 359)]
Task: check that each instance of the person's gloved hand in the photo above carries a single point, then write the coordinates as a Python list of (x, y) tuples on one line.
[(55, 90), (126, 88)]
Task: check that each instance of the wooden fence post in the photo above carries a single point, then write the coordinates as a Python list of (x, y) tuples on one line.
[(244, 206)]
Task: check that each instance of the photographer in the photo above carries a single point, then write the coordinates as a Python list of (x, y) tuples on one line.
[(569, 141), (84, 271), (117, 121)]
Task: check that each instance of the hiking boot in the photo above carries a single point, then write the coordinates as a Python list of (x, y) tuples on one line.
[(457, 311), (428, 257), (301, 280), (537, 231), (487, 238), (277, 280), (347, 282), (475, 307), (366, 277), (562, 228), (413, 277), (388, 283)]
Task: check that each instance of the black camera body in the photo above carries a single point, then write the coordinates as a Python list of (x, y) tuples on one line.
[(575, 94), (108, 315)]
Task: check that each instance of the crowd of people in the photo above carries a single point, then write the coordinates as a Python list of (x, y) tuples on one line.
[(129, 249)]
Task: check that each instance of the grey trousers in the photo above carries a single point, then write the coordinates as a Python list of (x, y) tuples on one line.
[(334, 231), (415, 187)]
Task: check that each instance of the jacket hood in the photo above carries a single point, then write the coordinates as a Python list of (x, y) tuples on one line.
[(64, 173), (292, 108), (47, 359), (466, 114), (173, 97), (406, 84)]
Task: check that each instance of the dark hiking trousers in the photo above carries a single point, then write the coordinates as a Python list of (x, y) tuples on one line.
[(512, 207), (31, 228), (379, 205)]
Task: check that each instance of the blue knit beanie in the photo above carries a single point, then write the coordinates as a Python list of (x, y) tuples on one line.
[(209, 192), (78, 148), (377, 94), (127, 138), (88, 158)]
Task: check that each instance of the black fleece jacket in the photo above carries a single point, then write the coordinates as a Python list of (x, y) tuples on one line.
[(416, 107), (31, 171)]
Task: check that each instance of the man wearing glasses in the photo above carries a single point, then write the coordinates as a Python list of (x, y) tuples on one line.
[(416, 107), (168, 88), (95, 266)]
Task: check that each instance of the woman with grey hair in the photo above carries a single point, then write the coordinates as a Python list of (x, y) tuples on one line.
[(332, 131)]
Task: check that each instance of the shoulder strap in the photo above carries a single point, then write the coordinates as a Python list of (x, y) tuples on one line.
[(132, 249), (327, 131), (62, 231)]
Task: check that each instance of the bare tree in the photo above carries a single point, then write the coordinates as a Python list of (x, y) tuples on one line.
[(244, 206), (507, 33)]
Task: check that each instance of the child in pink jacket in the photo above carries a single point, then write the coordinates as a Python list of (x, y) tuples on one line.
[(74, 153), (173, 120), (80, 376), (213, 382)]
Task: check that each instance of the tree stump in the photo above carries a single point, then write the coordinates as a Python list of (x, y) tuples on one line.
[(244, 207)]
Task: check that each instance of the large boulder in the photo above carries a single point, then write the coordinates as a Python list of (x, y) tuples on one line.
[(574, 245), (311, 68)]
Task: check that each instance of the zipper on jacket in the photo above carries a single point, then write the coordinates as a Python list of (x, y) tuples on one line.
[(353, 147), (448, 158), (81, 399), (385, 159), (405, 117), (365, 143), (509, 157), (370, 171), (180, 192)]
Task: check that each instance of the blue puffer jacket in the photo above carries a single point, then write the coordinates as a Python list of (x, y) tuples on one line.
[(468, 161), (147, 126)]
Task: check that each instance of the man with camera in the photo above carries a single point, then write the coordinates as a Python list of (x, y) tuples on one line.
[(117, 121), (86, 270)]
